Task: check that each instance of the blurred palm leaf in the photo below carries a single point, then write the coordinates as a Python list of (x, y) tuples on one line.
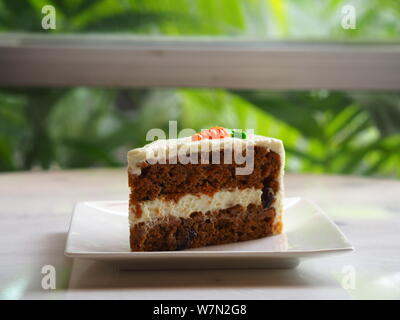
[(338, 133)]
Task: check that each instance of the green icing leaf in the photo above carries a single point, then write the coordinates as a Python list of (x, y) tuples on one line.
[(235, 133)]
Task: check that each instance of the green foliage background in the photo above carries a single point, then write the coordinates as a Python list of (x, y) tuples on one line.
[(324, 131)]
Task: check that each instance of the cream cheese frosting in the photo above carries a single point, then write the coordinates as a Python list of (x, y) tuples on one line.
[(189, 203)]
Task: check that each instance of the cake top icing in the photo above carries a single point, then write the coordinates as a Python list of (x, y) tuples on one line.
[(209, 141)]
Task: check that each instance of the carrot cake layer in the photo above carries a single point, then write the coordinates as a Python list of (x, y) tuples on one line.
[(176, 180), (233, 224)]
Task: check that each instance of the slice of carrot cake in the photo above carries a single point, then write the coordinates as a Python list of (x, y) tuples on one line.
[(218, 186)]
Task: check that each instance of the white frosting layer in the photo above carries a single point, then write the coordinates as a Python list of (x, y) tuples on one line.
[(166, 149), (189, 203)]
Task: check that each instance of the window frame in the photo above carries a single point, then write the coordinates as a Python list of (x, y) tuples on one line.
[(143, 62)]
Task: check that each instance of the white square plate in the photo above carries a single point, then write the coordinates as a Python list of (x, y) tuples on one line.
[(99, 230)]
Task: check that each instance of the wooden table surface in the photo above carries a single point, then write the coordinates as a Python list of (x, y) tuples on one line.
[(35, 210)]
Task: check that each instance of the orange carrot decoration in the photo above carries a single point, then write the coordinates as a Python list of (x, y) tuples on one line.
[(212, 133)]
